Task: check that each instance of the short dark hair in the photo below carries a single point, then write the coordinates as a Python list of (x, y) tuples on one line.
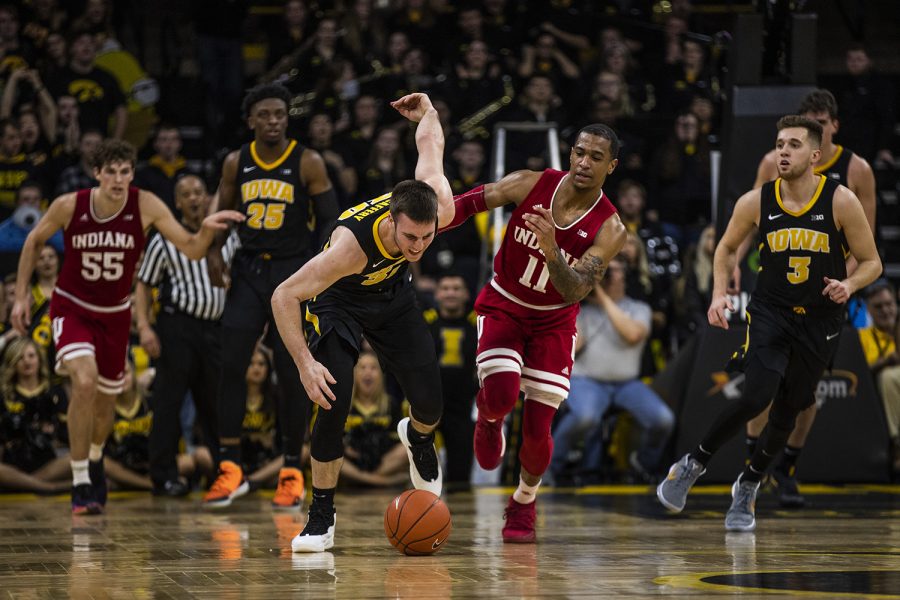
[(813, 127), (263, 92), (604, 131), (415, 199), (819, 101), (111, 151), (631, 184), (879, 285), (30, 183)]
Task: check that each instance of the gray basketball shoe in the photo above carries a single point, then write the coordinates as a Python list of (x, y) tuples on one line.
[(673, 490), (742, 514)]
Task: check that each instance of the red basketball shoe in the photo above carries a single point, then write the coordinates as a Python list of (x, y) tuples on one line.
[(520, 518)]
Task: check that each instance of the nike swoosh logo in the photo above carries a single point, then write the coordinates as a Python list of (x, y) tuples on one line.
[(832, 336), (248, 169), (438, 543), (773, 217), (378, 263)]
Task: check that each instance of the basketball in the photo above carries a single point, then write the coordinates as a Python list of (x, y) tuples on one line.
[(417, 523)]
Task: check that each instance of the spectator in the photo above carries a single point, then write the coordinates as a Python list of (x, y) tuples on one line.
[(386, 166), (126, 455), (544, 57), (681, 186), (452, 325), (357, 141), (46, 272), (373, 454), (25, 89), (320, 139), (14, 230), (867, 103), (611, 324), (16, 54), (160, 172), (698, 283), (32, 422), (688, 75), (81, 175), (100, 99), (364, 31), (35, 144), (880, 347), (538, 103), (476, 80), (260, 458), (14, 166), (314, 61), (290, 37)]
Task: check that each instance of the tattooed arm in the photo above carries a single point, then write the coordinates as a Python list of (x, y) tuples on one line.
[(575, 283)]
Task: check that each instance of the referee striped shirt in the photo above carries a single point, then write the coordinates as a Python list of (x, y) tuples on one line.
[(184, 283)]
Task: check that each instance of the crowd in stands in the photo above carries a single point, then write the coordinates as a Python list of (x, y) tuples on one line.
[(71, 76)]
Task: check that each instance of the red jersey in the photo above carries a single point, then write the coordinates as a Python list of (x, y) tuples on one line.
[(520, 271), (101, 254)]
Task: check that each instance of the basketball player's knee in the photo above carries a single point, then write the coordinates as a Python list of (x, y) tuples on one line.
[(783, 417), (84, 380), (498, 394), (760, 386), (327, 440)]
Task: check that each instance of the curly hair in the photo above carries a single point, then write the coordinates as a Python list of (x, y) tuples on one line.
[(263, 92), (113, 151)]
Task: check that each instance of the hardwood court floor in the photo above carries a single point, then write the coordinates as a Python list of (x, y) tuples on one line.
[(604, 542)]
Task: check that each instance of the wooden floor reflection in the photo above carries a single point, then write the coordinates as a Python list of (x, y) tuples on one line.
[(606, 542)]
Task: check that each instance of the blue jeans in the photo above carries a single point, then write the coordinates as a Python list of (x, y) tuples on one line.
[(590, 399)]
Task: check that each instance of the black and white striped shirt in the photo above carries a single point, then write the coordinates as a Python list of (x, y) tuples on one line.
[(185, 283)]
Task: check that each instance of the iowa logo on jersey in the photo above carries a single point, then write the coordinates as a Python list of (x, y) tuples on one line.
[(798, 238), (271, 189)]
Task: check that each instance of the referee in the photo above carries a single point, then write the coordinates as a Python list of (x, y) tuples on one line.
[(187, 343)]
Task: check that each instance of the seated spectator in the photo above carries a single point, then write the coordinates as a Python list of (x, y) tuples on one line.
[(80, 176), (698, 284), (15, 229), (542, 56), (126, 456), (260, 457), (320, 138), (880, 347), (160, 172), (32, 423), (538, 103), (476, 81), (385, 167), (291, 36), (611, 324), (373, 454), (364, 33)]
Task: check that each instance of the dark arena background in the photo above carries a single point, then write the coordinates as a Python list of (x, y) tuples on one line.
[(693, 89)]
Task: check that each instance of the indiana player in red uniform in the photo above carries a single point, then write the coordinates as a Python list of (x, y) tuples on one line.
[(91, 309), (558, 242)]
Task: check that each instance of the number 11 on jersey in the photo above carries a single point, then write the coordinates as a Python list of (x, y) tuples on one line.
[(525, 279)]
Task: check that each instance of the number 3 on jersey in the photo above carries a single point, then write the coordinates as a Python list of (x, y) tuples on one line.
[(265, 216), (800, 266)]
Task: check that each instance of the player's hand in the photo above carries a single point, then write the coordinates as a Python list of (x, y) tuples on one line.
[(20, 317), (222, 220), (541, 223), (716, 312), (315, 378), (413, 106), (149, 341), (837, 291)]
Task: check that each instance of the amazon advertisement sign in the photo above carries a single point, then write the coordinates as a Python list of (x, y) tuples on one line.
[(848, 441)]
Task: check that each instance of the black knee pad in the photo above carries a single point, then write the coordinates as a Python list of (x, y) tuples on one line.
[(328, 433), (761, 384)]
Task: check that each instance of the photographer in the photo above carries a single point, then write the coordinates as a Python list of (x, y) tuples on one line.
[(27, 213)]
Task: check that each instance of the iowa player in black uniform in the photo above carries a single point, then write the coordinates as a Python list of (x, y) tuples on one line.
[(359, 284), (283, 190), (841, 165), (795, 315)]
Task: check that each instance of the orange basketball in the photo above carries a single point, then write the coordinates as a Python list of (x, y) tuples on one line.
[(417, 523)]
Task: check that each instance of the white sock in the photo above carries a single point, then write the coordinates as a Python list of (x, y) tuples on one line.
[(80, 472), (96, 452), (526, 494)]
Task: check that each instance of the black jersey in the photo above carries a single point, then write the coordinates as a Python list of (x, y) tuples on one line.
[(276, 203), (799, 249), (382, 272), (837, 168)]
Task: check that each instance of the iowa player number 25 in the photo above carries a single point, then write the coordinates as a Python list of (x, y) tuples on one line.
[(265, 216)]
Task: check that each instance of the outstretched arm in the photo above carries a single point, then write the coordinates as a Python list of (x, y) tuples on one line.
[(430, 146), (341, 257), (193, 245), (574, 283)]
